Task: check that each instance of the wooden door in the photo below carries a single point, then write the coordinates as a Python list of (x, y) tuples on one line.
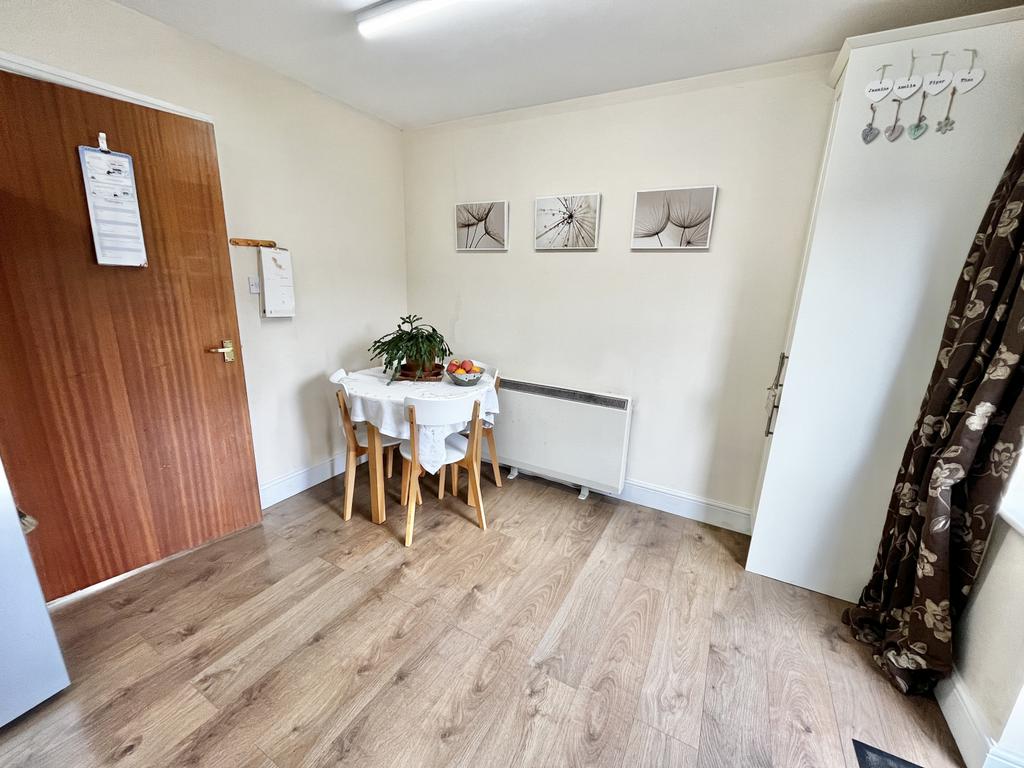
[(120, 432)]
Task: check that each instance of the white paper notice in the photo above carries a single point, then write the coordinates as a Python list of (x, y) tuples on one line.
[(277, 283), (113, 207)]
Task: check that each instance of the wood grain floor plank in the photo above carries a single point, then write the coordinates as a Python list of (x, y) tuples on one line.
[(380, 732), (375, 661), (734, 730), (98, 700), (570, 633), (228, 676), (869, 709), (672, 698), (211, 635), (803, 728), (528, 732), (606, 701), (650, 748), (576, 629)]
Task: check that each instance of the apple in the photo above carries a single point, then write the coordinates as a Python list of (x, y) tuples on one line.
[(453, 366), (467, 364)]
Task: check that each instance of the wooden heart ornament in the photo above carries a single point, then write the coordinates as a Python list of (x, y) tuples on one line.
[(905, 87), (968, 79), (936, 82), (877, 90)]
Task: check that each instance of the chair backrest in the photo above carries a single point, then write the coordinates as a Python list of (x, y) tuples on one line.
[(432, 413), (443, 416), (346, 417)]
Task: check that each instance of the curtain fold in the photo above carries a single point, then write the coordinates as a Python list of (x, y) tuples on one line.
[(960, 454)]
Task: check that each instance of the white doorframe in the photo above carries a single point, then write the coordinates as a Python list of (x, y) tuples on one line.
[(19, 65)]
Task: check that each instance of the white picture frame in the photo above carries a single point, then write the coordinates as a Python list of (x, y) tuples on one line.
[(673, 219), (481, 226), (567, 222)]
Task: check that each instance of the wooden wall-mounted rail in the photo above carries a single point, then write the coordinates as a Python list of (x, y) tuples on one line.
[(249, 243)]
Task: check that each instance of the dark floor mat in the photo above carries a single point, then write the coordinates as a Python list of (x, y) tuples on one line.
[(871, 757)]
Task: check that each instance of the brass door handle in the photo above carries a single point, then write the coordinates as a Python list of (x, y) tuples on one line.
[(227, 349)]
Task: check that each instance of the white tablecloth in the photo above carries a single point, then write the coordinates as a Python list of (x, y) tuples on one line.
[(372, 399)]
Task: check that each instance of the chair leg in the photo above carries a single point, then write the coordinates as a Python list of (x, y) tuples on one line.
[(405, 481), (440, 482), (410, 517), (350, 484), (474, 484), (455, 480), (391, 463), (494, 456), (470, 495)]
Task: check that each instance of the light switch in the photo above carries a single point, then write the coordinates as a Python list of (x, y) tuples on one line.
[(254, 284)]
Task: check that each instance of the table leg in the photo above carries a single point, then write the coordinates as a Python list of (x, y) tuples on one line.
[(378, 512)]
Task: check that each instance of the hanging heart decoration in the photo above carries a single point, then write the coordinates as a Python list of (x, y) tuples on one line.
[(893, 132), (877, 90), (916, 129), (869, 134), (936, 82), (968, 79), (905, 87)]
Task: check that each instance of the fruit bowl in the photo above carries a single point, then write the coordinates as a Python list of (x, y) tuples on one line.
[(462, 377), (465, 379)]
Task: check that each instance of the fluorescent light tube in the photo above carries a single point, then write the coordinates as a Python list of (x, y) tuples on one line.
[(381, 17)]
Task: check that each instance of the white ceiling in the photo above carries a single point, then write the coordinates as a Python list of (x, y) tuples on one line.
[(480, 56)]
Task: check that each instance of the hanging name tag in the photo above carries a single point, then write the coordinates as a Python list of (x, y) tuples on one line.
[(936, 82), (877, 90), (966, 79), (113, 207), (906, 87)]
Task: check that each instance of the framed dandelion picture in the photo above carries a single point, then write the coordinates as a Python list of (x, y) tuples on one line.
[(481, 226), (567, 222), (673, 219)]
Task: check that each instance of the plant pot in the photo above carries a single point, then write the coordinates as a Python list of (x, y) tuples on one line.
[(419, 371)]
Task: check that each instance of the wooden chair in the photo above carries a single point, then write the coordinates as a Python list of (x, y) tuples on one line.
[(356, 443), (461, 451), (492, 451)]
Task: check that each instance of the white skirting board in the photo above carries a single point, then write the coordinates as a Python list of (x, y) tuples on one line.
[(966, 723), (719, 513), (296, 482), (675, 502)]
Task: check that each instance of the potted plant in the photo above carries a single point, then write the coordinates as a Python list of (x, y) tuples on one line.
[(412, 350)]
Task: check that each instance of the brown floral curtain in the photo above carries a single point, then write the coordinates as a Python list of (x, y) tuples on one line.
[(960, 454)]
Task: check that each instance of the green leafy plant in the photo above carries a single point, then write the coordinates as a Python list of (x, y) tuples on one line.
[(415, 343)]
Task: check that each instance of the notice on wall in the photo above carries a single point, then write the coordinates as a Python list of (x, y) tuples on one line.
[(113, 207), (276, 280)]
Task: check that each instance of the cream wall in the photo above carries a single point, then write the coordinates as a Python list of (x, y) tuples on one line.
[(298, 168), (692, 336), (990, 643)]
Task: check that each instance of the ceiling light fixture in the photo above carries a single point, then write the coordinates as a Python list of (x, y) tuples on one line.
[(383, 16)]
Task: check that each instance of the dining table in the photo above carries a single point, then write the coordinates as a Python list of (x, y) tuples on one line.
[(379, 402)]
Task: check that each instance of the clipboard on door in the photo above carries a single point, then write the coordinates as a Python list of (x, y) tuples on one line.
[(111, 194)]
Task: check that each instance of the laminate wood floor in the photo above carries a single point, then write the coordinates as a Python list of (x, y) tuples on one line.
[(571, 633)]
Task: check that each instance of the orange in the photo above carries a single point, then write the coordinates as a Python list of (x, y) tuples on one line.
[(460, 370)]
